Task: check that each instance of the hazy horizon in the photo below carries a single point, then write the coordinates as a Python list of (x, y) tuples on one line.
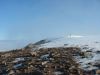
[(6, 45)]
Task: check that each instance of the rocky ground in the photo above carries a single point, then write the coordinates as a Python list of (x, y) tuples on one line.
[(45, 61)]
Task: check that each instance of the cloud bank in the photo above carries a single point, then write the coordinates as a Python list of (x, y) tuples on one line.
[(75, 36)]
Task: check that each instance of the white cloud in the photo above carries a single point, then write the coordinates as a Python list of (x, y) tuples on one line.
[(75, 36)]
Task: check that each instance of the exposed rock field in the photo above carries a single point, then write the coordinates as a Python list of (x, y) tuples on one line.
[(45, 61)]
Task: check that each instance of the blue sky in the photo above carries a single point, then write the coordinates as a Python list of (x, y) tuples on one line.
[(38, 19)]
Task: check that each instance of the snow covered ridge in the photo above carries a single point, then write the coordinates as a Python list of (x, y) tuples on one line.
[(68, 41), (72, 41)]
